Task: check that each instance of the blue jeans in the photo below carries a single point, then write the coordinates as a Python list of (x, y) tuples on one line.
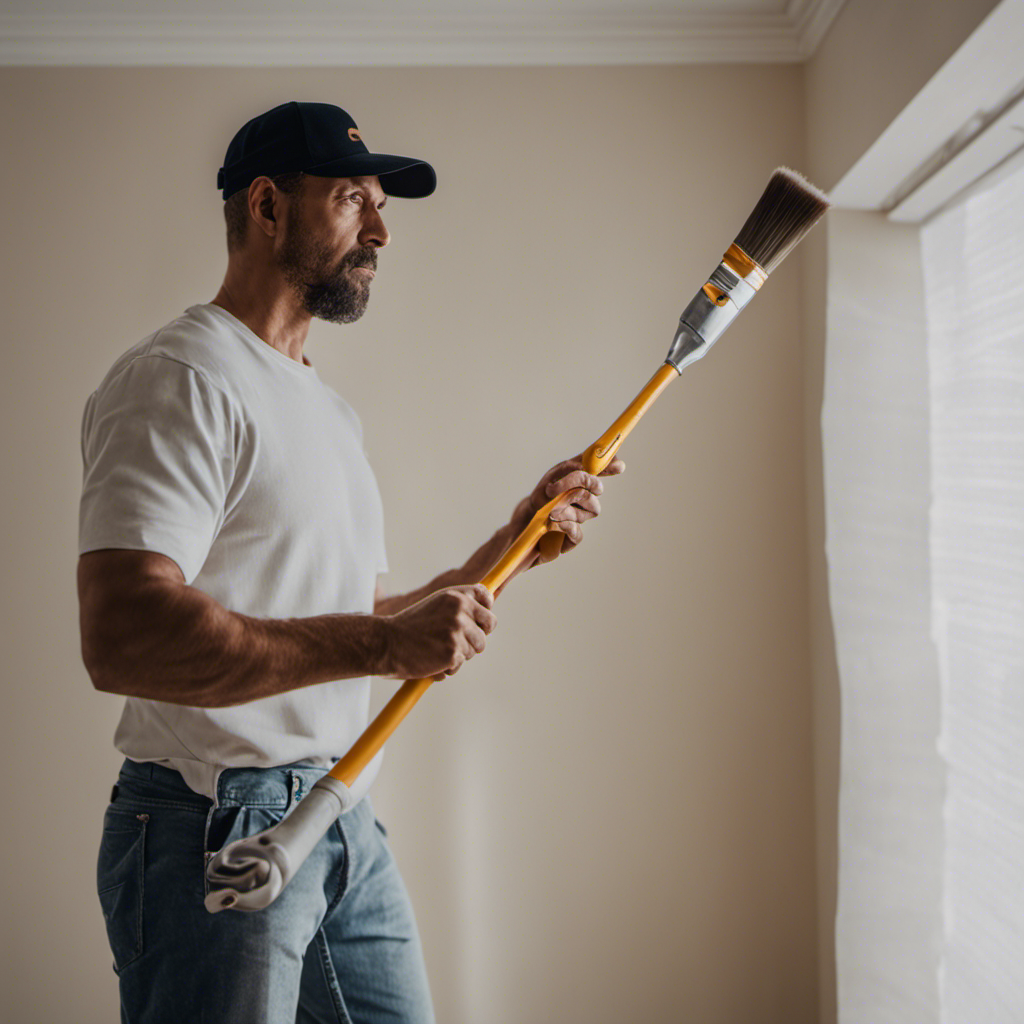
[(338, 945)]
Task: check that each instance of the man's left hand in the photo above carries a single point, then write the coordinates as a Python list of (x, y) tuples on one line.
[(565, 476)]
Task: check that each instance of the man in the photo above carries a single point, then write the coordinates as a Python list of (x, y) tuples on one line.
[(230, 542)]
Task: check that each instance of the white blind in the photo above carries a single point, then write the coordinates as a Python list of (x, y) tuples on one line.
[(923, 431), (973, 260), (877, 484)]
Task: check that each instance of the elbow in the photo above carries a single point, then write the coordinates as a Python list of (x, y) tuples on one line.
[(106, 656), (105, 683), (113, 671), (92, 660), (98, 645), (102, 671), (141, 627)]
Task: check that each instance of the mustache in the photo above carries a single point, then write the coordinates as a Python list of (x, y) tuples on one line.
[(364, 257)]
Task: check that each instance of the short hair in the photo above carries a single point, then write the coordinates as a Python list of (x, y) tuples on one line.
[(236, 206)]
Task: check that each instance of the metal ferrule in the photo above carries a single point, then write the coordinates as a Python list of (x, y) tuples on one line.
[(713, 308)]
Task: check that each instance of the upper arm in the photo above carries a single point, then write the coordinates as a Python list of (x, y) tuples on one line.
[(159, 461), (378, 595), (108, 581)]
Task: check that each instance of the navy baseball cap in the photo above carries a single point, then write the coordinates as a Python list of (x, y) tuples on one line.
[(319, 139)]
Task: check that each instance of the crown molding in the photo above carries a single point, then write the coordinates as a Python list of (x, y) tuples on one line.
[(383, 40), (811, 19)]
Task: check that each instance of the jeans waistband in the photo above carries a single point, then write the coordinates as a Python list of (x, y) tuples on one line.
[(251, 787)]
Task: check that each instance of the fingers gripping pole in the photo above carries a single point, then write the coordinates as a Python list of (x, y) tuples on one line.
[(250, 873)]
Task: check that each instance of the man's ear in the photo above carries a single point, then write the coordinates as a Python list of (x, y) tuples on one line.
[(263, 205)]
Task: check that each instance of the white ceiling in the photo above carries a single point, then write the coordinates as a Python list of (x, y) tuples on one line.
[(411, 32)]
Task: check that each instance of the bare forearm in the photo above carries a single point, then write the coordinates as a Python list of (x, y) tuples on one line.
[(177, 644), (565, 476)]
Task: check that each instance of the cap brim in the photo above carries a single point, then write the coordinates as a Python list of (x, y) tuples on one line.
[(400, 176)]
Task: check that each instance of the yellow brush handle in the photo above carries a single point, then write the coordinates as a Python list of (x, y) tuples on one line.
[(602, 451), (377, 732)]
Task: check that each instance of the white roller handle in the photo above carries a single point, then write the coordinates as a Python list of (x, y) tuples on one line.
[(250, 873)]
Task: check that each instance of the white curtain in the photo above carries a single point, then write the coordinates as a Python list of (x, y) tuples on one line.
[(877, 485), (973, 259), (923, 429)]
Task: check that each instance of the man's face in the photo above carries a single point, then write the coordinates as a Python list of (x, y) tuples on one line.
[(328, 251)]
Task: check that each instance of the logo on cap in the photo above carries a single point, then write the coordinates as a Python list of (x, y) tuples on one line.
[(353, 134)]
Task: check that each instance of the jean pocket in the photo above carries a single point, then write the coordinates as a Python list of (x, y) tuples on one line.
[(227, 824), (119, 884)]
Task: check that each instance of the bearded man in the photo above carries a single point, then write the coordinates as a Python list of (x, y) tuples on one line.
[(231, 540)]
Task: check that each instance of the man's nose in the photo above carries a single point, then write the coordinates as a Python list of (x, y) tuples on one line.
[(373, 231)]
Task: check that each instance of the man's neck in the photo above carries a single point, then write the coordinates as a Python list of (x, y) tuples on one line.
[(277, 320)]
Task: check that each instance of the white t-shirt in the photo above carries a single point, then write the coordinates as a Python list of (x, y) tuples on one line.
[(208, 445)]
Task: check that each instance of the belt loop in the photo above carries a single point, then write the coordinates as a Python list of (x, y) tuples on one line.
[(295, 794)]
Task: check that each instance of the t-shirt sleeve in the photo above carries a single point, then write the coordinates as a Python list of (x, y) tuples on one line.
[(158, 461)]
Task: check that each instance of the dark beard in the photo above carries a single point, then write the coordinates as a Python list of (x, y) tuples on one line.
[(329, 293)]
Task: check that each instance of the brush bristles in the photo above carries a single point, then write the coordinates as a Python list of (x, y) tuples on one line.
[(788, 209)]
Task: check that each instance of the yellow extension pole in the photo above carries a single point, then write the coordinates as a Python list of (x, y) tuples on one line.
[(538, 530)]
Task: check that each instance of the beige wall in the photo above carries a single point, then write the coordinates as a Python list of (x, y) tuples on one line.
[(609, 816), (875, 58)]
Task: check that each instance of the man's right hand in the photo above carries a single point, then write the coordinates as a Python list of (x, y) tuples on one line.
[(436, 636)]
